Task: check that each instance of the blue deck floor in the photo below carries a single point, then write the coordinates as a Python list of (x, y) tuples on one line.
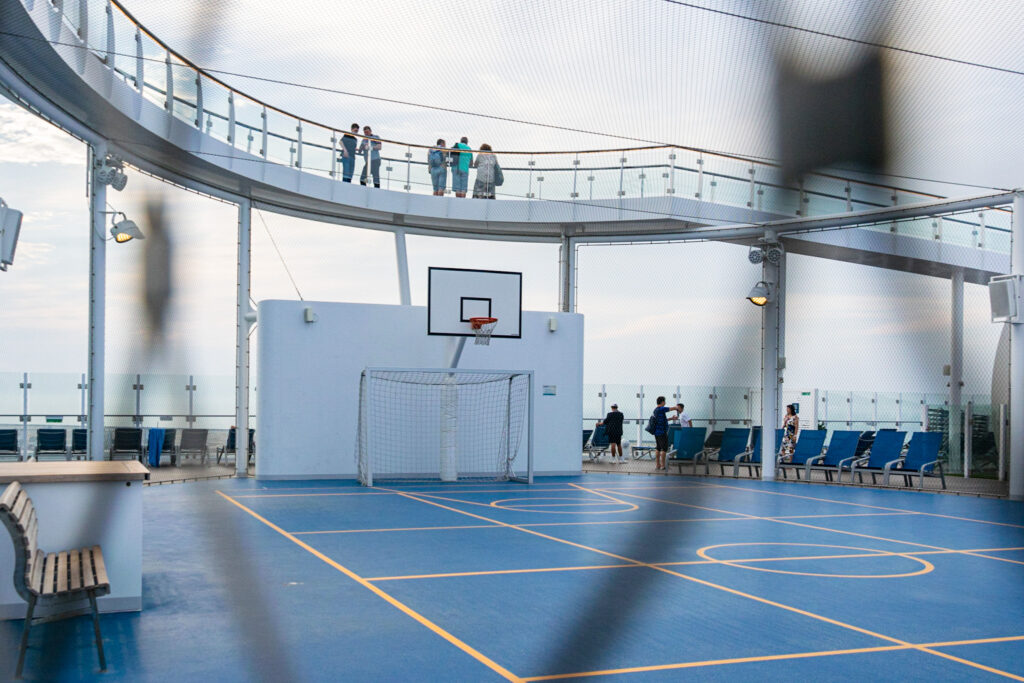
[(604, 577)]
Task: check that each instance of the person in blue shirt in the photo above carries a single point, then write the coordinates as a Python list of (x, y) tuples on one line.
[(661, 433), (370, 149), (348, 153), (437, 164)]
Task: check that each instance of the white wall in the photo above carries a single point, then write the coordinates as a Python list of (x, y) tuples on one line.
[(308, 396)]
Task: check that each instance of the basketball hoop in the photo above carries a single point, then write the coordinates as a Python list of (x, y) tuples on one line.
[(483, 328)]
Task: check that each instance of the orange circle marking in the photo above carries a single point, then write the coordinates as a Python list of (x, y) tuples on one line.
[(869, 552), (518, 505)]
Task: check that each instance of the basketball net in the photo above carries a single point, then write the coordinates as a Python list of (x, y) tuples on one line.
[(483, 327)]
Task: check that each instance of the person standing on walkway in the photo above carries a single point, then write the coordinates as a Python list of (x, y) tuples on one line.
[(437, 164), (460, 167), (488, 174), (370, 149), (613, 429), (659, 428), (348, 153), (791, 430), (682, 417)]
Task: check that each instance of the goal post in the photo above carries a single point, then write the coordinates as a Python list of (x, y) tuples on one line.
[(445, 424)]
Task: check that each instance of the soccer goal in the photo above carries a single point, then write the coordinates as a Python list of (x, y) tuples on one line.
[(445, 424)]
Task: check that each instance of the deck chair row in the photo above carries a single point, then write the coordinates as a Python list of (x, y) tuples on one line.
[(127, 441)]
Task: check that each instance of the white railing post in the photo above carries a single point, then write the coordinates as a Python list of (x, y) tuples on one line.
[(199, 101), (408, 168), (109, 58), (231, 118), (672, 172), (981, 230), (82, 387), (25, 386), (140, 68), (622, 176), (298, 144), (334, 153), (750, 202), (700, 177), (640, 417), (849, 198), (137, 387), (529, 176), (714, 405), (83, 22), (190, 388), (575, 172), (169, 97), (603, 395), (968, 433), (263, 139)]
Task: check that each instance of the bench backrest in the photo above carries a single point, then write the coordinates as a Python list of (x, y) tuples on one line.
[(923, 449), (842, 446), (808, 445), (689, 441), (169, 435), (79, 440), (887, 447), (734, 442), (714, 439), (127, 439), (755, 449), (55, 440), (19, 517), (598, 440), (9, 441), (864, 443), (193, 439)]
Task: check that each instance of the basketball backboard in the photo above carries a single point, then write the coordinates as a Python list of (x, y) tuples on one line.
[(454, 295)]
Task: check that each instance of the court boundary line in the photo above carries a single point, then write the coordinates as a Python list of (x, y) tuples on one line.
[(394, 602), (771, 658), (734, 591)]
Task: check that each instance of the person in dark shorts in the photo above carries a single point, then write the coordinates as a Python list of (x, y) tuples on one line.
[(613, 428), (660, 433)]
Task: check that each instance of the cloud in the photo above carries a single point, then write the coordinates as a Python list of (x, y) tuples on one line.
[(26, 139)]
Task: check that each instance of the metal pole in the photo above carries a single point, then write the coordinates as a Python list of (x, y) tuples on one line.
[(770, 316), (529, 431), (137, 417), (567, 273), (82, 390), (24, 416), (640, 418), (242, 339), (956, 361), (604, 396), (97, 301), (814, 410), (714, 400), (968, 430), (191, 418), (404, 293), (1016, 438), (1002, 441)]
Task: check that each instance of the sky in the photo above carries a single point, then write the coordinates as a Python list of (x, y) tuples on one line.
[(665, 314)]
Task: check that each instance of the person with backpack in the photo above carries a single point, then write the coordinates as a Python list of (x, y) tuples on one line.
[(437, 164), (657, 425), (460, 167), (488, 174)]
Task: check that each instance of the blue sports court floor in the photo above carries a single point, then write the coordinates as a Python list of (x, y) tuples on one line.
[(600, 577)]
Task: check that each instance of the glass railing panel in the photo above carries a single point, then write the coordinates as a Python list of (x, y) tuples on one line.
[(10, 400), (55, 395), (124, 61), (215, 395), (185, 91), (316, 149), (248, 135), (281, 146), (164, 400), (863, 410), (155, 75), (119, 396), (215, 109)]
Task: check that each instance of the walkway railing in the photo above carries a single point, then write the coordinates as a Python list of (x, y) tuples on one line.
[(275, 136)]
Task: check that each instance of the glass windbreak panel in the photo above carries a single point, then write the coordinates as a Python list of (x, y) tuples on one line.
[(119, 399), (215, 397), (732, 406), (624, 395), (55, 398), (557, 171), (779, 199), (863, 409), (592, 409), (215, 109), (156, 71), (184, 91), (10, 399), (889, 410), (164, 401), (248, 125), (914, 407), (519, 175), (124, 61), (729, 181), (824, 196), (316, 149), (72, 16), (281, 137), (997, 236)]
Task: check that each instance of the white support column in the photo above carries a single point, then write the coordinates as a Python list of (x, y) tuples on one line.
[(97, 302), (956, 363), (1016, 438), (770, 333), (404, 293), (242, 325), (567, 276)]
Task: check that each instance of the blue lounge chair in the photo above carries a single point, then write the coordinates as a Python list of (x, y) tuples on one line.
[(231, 447), (752, 458), (922, 459), (734, 444), (597, 445), (169, 448), (586, 437), (808, 446), (842, 448), (193, 442), (79, 443), (9, 445), (864, 443), (52, 442), (127, 441), (887, 449), (687, 446)]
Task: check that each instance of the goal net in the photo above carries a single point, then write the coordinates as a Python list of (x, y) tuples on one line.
[(444, 424)]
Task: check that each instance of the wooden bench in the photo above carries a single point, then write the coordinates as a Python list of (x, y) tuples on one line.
[(61, 579)]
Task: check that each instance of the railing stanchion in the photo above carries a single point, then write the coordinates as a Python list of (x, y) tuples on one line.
[(83, 22), (540, 187), (622, 176), (981, 230), (575, 171), (263, 140), (137, 417), (25, 386), (590, 179), (642, 176), (169, 85), (199, 101), (231, 118), (671, 173), (408, 168), (700, 177), (750, 202), (849, 197), (82, 386), (714, 405), (937, 228), (529, 187), (298, 145), (190, 388), (140, 73), (109, 58), (334, 153), (640, 421)]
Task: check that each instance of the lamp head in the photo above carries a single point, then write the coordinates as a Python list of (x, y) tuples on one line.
[(760, 294), (125, 230)]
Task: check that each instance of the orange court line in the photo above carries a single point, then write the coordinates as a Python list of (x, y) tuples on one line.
[(407, 528), (771, 658), (480, 657), (497, 572)]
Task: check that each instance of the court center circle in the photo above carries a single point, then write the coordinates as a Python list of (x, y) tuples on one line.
[(755, 564), (563, 505)]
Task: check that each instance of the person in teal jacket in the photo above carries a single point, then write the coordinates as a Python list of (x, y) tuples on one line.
[(460, 167)]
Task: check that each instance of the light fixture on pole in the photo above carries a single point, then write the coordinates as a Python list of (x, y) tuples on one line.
[(760, 294), (125, 230), (10, 226), (110, 171), (755, 255)]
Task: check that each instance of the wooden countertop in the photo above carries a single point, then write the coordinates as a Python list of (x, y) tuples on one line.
[(72, 471)]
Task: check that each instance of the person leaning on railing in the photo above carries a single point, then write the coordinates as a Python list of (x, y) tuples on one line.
[(371, 151), (348, 153), (460, 167), (488, 174), (437, 162)]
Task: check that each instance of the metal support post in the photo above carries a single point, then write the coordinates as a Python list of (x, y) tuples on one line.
[(1016, 421), (567, 275), (874, 410), (242, 325), (97, 301), (604, 397), (956, 361), (968, 432), (25, 386), (191, 389), (404, 293), (814, 410), (714, 401), (771, 334), (640, 417), (1001, 435), (137, 387), (82, 388)]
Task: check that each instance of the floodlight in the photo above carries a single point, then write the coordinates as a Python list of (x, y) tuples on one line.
[(774, 254), (125, 230), (755, 255), (760, 294), (110, 171), (10, 226)]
